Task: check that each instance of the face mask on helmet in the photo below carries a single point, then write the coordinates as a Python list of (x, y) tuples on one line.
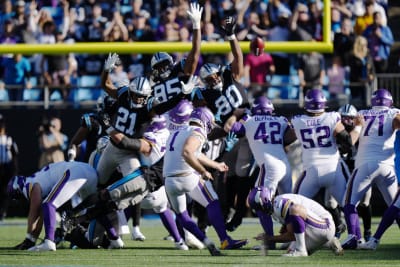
[(161, 64), (139, 92), (180, 114), (382, 98), (315, 101), (260, 199), (257, 46), (210, 76), (262, 106), (16, 187), (204, 117)]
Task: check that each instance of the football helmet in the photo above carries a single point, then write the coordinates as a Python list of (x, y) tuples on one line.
[(262, 106), (257, 46), (207, 76), (204, 117), (348, 112), (381, 98), (260, 199), (16, 187), (139, 91), (180, 114), (315, 101), (161, 64), (105, 104), (157, 123)]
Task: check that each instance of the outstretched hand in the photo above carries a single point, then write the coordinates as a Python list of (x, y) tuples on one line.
[(188, 87), (230, 26), (195, 15), (111, 62)]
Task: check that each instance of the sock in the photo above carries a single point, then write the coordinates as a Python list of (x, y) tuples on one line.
[(335, 216), (352, 220), (266, 222), (216, 219), (111, 232), (190, 225), (299, 228), (49, 220), (387, 220), (365, 212), (167, 218)]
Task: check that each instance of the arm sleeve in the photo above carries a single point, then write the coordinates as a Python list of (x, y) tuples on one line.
[(129, 144)]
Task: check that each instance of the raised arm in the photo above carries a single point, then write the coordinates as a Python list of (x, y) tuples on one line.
[(106, 83), (193, 57)]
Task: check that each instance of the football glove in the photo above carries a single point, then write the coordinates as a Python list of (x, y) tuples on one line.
[(195, 15), (230, 141), (111, 62), (188, 87), (230, 26)]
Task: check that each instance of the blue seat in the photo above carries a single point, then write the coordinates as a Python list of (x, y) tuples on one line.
[(4, 95), (88, 88), (34, 93), (279, 87)]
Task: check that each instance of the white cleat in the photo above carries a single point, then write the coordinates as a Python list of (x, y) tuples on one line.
[(372, 244), (47, 245), (116, 244), (296, 253), (192, 241), (137, 235), (181, 245)]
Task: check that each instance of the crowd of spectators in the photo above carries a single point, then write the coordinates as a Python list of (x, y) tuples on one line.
[(55, 21)]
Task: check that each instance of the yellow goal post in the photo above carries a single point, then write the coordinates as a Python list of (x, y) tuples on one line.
[(324, 46)]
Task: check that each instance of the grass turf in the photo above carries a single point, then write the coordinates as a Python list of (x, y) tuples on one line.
[(155, 251)]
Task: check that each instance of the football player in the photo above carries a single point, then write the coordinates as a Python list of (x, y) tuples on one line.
[(47, 190), (167, 75), (319, 133), (374, 161), (268, 136), (308, 226)]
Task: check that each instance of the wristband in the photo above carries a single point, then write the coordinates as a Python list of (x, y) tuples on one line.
[(357, 129), (109, 130), (196, 25), (30, 237), (231, 37)]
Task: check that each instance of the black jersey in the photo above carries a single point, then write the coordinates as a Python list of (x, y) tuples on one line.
[(95, 131), (223, 103), (164, 90)]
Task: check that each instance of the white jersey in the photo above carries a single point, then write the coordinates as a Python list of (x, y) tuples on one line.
[(376, 141), (55, 175), (316, 136), (282, 203), (265, 135), (158, 141), (174, 163)]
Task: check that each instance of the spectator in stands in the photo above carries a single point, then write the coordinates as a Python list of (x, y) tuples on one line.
[(362, 72), (342, 7), (281, 33), (258, 65), (380, 40), (362, 22), (8, 37), (301, 26), (252, 28), (311, 71), (96, 25), (16, 74), (6, 13), (275, 9), (343, 41), (52, 142), (116, 31), (139, 28), (55, 68), (168, 29), (337, 76)]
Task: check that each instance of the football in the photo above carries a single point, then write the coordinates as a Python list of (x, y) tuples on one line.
[(257, 46)]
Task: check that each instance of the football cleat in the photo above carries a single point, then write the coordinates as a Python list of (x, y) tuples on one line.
[(213, 250), (336, 247), (47, 245), (181, 245), (372, 244), (350, 242), (296, 253), (233, 244), (367, 235), (340, 230), (192, 241), (115, 244), (137, 235)]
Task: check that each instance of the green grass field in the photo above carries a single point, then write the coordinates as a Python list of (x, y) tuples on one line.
[(158, 252)]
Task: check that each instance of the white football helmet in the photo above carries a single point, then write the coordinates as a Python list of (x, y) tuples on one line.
[(161, 64), (139, 91), (208, 70)]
